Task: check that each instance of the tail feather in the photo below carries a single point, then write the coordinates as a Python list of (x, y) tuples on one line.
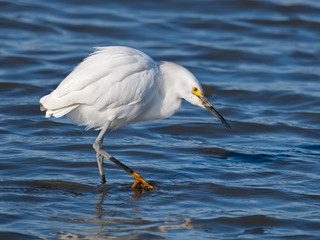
[(57, 112), (50, 105), (42, 108)]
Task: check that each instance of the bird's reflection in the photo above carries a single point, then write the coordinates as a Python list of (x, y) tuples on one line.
[(101, 209)]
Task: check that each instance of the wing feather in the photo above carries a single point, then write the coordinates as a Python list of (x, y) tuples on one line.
[(110, 77)]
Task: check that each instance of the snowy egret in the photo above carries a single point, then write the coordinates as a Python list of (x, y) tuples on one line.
[(117, 86)]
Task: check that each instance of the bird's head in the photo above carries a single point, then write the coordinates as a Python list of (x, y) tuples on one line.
[(187, 87)]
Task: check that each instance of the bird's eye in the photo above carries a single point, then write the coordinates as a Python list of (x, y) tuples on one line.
[(196, 92)]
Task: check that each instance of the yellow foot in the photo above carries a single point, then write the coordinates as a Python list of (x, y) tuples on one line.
[(139, 181)]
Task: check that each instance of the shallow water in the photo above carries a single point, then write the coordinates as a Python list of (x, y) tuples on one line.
[(259, 64)]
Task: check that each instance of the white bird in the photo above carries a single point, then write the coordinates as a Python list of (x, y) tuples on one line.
[(117, 86)]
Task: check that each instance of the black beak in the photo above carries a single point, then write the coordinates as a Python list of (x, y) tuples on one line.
[(211, 109)]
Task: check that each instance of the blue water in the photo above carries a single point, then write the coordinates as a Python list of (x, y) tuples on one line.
[(258, 62)]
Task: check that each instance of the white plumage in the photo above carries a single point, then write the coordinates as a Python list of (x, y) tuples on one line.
[(99, 88), (117, 86)]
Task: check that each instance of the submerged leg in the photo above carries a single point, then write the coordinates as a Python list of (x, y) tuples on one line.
[(99, 142), (101, 170), (101, 153)]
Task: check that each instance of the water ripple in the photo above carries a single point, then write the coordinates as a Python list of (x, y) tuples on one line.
[(259, 64)]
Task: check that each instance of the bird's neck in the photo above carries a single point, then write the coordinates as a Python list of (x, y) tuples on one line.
[(165, 100), (171, 101)]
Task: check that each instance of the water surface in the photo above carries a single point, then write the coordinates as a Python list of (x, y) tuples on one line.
[(259, 64)]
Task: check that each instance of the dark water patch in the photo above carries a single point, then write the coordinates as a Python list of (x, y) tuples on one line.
[(304, 55), (37, 190), (298, 8), (300, 23), (12, 62), (14, 235), (21, 108), (58, 185), (264, 223)]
